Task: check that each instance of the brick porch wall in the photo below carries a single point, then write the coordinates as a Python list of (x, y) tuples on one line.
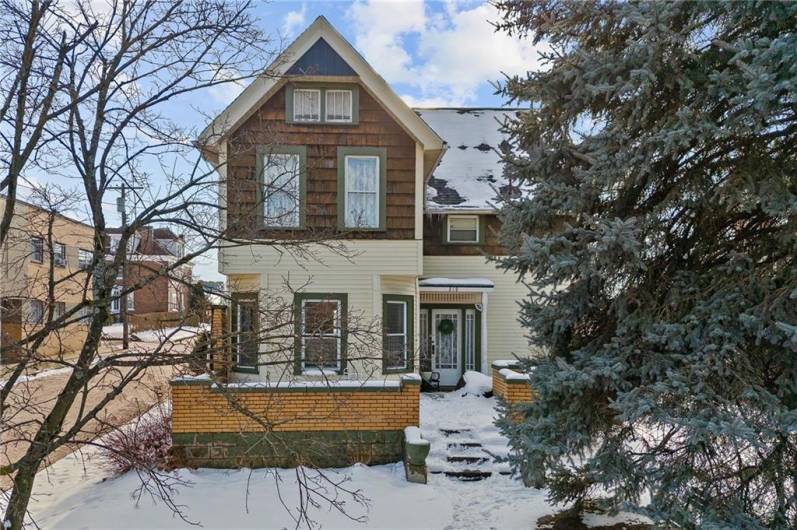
[(323, 426), (511, 390)]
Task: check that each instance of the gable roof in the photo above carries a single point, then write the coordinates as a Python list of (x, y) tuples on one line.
[(470, 175), (308, 49)]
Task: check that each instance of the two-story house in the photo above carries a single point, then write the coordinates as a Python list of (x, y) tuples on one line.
[(392, 209), (151, 257), (40, 242)]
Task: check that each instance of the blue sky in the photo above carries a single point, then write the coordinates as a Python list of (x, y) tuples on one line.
[(433, 53)]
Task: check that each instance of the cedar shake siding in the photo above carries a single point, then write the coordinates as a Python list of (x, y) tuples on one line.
[(267, 127), (434, 243)]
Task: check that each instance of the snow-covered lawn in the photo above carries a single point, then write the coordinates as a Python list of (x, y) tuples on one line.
[(75, 493)]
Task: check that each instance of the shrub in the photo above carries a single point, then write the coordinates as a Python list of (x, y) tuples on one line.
[(143, 444)]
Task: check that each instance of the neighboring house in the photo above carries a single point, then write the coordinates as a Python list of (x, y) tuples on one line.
[(324, 149), (151, 251), (24, 278)]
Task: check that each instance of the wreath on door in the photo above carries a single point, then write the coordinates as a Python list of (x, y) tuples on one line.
[(445, 326)]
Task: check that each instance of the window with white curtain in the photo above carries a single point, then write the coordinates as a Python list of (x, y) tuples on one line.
[(306, 105), (338, 106), (362, 191), (281, 193)]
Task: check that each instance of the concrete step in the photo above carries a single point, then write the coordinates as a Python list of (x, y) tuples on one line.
[(463, 445), (466, 459)]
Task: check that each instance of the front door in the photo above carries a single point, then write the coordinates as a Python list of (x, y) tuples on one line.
[(447, 344)]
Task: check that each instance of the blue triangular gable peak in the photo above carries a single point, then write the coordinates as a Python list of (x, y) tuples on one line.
[(321, 59)]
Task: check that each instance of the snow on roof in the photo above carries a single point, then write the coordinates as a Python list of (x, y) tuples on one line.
[(470, 175), (456, 282)]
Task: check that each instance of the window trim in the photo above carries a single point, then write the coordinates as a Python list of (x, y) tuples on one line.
[(348, 91), (236, 299), (266, 150), (298, 320), (480, 227), (379, 152), (409, 303), (323, 87)]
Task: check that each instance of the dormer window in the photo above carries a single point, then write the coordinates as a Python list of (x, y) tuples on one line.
[(307, 105), (338, 106)]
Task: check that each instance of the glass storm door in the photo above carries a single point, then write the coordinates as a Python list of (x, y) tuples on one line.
[(447, 346)]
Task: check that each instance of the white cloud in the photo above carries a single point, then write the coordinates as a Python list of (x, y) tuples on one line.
[(456, 50), (294, 21)]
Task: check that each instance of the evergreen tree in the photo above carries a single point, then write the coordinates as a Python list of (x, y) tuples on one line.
[(659, 239)]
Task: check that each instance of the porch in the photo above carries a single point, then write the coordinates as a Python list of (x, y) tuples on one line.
[(452, 328)]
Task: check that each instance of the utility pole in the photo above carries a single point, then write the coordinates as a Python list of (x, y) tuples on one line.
[(121, 208)]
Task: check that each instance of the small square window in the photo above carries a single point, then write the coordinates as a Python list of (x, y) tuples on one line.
[(462, 229), (338, 106), (306, 105)]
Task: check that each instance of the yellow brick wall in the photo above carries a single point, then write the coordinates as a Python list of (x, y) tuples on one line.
[(510, 391), (200, 408)]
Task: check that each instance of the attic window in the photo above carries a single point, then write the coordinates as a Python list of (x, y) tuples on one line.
[(338, 106), (462, 229), (306, 105)]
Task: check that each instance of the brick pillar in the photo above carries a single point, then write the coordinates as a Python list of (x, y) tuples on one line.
[(219, 343)]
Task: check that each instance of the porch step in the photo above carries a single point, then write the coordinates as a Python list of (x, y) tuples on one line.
[(469, 475), (451, 432), (462, 445), (456, 459)]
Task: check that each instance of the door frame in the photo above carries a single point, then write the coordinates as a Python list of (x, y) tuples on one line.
[(477, 324)]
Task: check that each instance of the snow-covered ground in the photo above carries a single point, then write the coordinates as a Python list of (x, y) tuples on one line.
[(77, 493), (114, 331)]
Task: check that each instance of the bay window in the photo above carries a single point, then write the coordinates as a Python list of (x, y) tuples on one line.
[(397, 331), (244, 332), (321, 332)]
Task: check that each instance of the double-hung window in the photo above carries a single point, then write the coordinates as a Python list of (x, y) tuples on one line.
[(59, 254), (362, 191), (307, 105), (59, 310), (37, 249), (321, 333), (282, 188), (397, 326), (463, 229), (338, 106), (116, 294), (244, 327)]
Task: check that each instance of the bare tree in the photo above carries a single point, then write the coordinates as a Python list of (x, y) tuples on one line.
[(102, 117)]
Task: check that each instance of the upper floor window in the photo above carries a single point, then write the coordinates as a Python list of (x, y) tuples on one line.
[(307, 105), (37, 249), (462, 229), (35, 311), (362, 191), (59, 254), (339, 106), (84, 258), (59, 310), (316, 103), (361, 188), (281, 190)]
